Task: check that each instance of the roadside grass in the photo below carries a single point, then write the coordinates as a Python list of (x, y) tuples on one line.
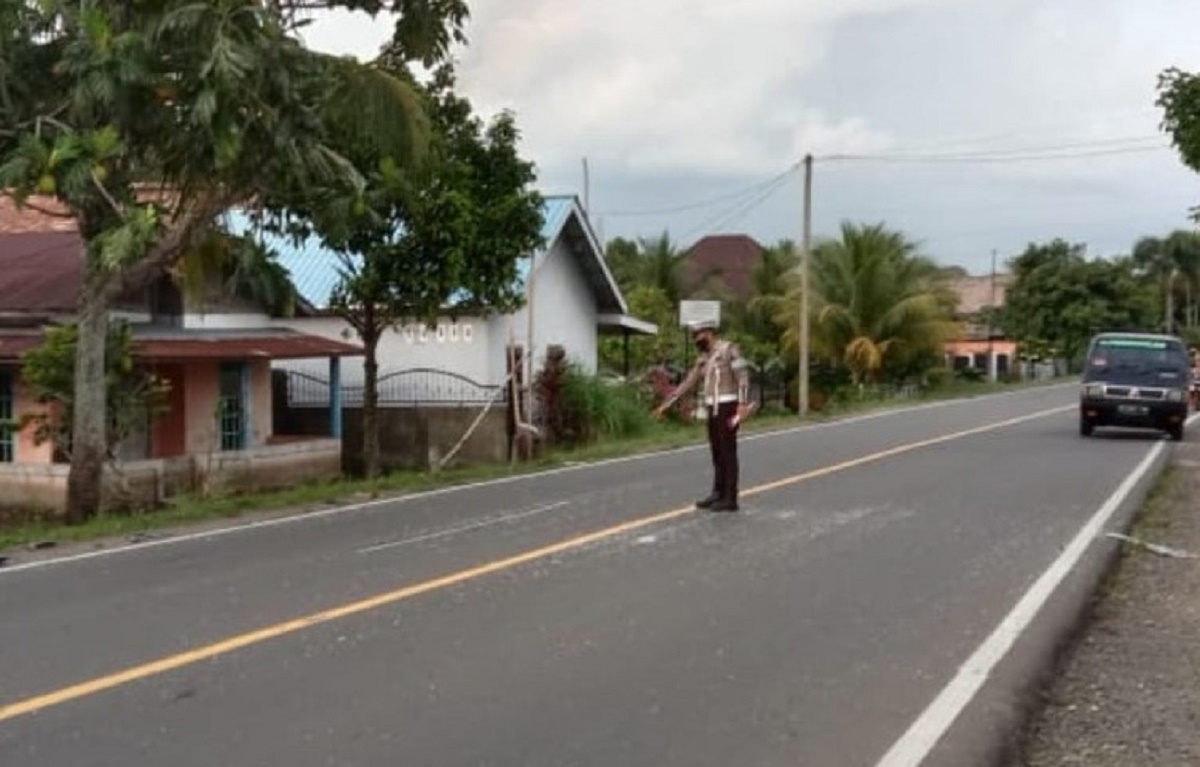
[(1151, 518), (309, 497)]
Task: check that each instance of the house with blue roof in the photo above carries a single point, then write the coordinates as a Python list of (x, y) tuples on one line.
[(571, 298)]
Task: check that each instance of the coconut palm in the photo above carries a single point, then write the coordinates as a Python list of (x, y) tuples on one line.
[(876, 304), (1173, 264)]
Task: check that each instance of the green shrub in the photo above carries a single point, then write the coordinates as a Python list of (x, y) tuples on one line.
[(594, 408), (579, 408)]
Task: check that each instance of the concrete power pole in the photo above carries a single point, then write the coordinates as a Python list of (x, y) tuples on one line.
[(587, 189), (805, 254)]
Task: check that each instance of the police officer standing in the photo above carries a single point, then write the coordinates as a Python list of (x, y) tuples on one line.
[(725, 377)]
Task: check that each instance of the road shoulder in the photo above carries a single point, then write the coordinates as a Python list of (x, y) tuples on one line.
[(1128, 693)]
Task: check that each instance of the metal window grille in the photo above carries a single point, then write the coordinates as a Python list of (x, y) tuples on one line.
[(231, 407), (7, 448)]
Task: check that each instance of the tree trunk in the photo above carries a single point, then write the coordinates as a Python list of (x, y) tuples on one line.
[(90, 410), (370, 412)]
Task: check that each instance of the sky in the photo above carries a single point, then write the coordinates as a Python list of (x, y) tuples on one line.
[(972, 126)]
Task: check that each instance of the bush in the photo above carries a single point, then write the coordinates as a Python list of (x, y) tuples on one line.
[(595, 409), (578, 408)]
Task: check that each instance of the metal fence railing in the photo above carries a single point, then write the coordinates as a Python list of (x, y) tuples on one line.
[(402, 388)]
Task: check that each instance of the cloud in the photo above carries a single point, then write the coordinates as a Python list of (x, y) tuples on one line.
[(675, 101), (666, 85)]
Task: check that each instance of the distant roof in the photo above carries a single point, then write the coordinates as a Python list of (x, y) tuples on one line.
[(727, 259), (37, 215), (316, 270), (185, 345), (40, 272), (181, 345), (975, 293)]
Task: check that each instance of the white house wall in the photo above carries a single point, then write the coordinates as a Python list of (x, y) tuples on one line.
[(565, 314), (455, 346)]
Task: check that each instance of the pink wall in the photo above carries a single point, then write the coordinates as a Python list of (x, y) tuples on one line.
[(190, 425), (201, 389), (260, 402)]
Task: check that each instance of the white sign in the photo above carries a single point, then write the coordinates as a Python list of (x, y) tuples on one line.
[(699, 311)]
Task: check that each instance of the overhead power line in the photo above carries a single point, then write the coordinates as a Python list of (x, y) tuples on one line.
[(738, 211), (1061, 152), (741, 194)]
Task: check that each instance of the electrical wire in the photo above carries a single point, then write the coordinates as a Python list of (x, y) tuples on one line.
[(736, 213), (686, 207), (1003, 156)]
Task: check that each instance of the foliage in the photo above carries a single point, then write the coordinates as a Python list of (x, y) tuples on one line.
[(442, 235), (578, 408), (666, 346), (1171, 265), (223, 264), (134, 395), (1179, 98), (146, 120), (648, 263), (1059, 299), (878, 308)]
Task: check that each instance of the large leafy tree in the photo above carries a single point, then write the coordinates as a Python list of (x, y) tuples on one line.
[(146, 120), (440, 236), (1059, 299), (1179, 98), (878, 306)]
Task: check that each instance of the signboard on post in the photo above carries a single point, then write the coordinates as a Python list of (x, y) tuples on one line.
[(699, 311)]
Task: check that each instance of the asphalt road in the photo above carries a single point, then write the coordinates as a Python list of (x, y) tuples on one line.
[(580, 617)]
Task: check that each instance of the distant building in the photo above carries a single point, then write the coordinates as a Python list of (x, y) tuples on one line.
[(721, 266), (981, 345)]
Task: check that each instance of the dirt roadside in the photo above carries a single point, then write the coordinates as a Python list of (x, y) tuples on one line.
[(1128, 693)]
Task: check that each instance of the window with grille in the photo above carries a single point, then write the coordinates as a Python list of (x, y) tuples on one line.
[(7, 448), (231, 406)]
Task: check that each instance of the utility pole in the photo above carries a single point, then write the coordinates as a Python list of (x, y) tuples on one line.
[(991, 314), (805, 253), (587, 190)]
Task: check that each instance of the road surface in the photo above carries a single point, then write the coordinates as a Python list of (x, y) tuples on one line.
[(847, 616)]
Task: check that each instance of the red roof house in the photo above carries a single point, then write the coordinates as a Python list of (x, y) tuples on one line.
[(218, 420)]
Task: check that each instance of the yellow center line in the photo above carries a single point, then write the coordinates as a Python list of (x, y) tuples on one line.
[(206, 652)]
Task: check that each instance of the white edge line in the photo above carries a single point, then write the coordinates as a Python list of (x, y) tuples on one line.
[(582, 466), (923, 735)]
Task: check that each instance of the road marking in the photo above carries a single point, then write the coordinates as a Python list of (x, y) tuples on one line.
[(912, 748), (163, 665), (583, 466), (496, 520)]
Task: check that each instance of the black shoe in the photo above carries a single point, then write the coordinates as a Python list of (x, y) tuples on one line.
[(705, 503), (724, 506)]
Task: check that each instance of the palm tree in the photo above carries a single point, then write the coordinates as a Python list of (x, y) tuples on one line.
[(773, 280), (876, 304), (1173, 264), (660, 266)]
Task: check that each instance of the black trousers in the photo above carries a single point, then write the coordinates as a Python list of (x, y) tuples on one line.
[(722, 440)]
